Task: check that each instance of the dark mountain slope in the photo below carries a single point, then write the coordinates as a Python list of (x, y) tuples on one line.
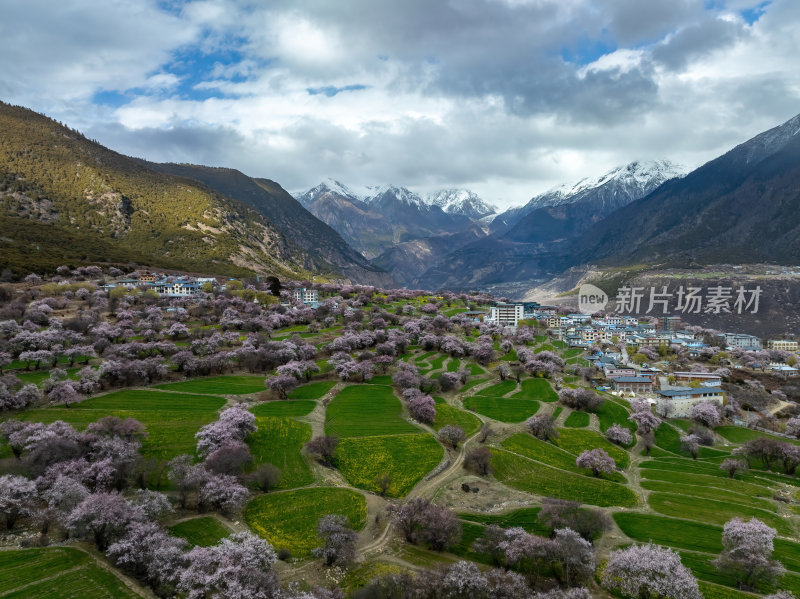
[(64, 198), (324, 250), (741, 207)]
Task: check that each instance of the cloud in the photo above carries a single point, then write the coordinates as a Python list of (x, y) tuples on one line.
[(509, 97)]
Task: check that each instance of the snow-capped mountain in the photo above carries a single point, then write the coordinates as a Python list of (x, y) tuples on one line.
[(634, 180), (372, 219), (461, 201), (601, 195)]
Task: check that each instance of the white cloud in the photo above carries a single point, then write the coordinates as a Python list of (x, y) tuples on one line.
[(473, 93)]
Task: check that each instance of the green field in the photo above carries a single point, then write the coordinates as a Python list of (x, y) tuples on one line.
[(739, 434), (533, 477), (541, 451), (577, 420), (289, 519), (406, 458), (57, 573), (172, 419), (728, 484), (538, 389), (287, 409), (694, 536), (311, 390), (219, 385), (499, 389), (278, 441), (611, 413), (203, 531), (575, 441), (713, 512), (527, 518), (447, 414), (473, 383), (707, 493), (502, 409), (364, 410)]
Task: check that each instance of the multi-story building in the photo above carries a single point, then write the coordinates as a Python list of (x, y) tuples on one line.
[(744, 341), (632, 384), (506, 314), (309, 297), (782, 344), (670, 324)]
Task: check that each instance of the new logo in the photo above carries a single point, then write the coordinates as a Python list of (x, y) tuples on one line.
[(591, 299)]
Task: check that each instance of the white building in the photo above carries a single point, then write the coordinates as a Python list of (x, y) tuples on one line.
[(507, 315), (308, 297), (677, 403)]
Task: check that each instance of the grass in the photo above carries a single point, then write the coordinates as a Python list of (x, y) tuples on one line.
[(693, 536), (311, 390), (57, 573), (499, 389), (453, 365), (447, 414), (172, 419), (288, 409), (532, 477), (278, 441), (406, 458), (713, 511), (289, 520), (527, 518), (538, 389), (219, 385), (541, 451), (681, 534), (575, 441), (577, 420), (739, 434), (668, 438), (729, 484), (366, 410), (502, 409), (611, 413), (37, 376), (204, 531), (707, 492)]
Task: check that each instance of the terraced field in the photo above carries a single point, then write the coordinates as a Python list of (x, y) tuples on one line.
[(57, 573), (172, 419), (288, 519), (219, 385), (375, 441)]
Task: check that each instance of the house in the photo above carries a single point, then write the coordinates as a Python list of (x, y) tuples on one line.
[(750, 342), (704, 379), (553, 321), (180, 288), (615, 371), (678, 402), (308, 297), (670, 324), (632, 384), (782, 344), (148, 277), (783, 368), (507, 315)]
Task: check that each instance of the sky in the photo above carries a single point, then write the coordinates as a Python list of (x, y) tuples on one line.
[(504, 97)]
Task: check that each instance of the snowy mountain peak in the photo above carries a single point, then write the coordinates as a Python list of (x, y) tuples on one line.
[(389, 192), (636, 179), (461, 201)]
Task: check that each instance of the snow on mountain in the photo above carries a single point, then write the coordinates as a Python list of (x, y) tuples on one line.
[(634, 180), (333, 186), (461, 201), (769, 142), (391, 192)]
